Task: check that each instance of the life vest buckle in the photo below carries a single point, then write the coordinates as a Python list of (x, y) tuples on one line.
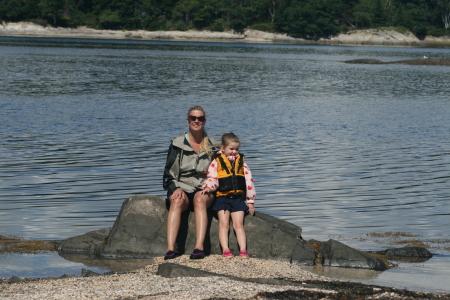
[(234, 195)]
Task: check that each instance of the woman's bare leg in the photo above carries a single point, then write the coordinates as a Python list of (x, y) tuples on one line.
[(177, 206), (201, 204), (238, 226), (224, 228)]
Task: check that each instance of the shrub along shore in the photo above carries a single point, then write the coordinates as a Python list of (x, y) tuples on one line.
[(368, 37)]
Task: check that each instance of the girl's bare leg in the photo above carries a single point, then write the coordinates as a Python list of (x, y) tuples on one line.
[(177, 206), (238, 226), (201, 204), (224, 228)]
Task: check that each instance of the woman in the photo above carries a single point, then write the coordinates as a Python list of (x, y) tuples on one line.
[(187, 161)]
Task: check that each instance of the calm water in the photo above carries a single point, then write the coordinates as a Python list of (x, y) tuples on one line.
[(341, 150)]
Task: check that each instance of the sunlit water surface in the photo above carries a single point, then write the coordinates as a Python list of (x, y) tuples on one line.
[(341, 150)]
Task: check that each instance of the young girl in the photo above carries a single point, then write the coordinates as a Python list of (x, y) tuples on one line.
[(230, 178)]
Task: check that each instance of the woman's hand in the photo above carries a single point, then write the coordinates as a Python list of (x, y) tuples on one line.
[(178, 194), (206, 190), (251, 209)]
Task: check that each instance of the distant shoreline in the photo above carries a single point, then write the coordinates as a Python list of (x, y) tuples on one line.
[(368, 37)]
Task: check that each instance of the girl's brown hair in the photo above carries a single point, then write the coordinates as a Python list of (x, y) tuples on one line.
[(229, 137)]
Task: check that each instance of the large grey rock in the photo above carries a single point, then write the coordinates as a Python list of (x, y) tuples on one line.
[(140, 232), (336, 254)]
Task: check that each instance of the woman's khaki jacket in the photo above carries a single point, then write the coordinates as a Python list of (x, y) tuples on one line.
[(185, 168)]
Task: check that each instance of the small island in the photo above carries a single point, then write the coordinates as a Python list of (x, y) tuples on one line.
[(425, 61)]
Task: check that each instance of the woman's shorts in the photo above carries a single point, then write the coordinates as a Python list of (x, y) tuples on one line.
[(233, 205)]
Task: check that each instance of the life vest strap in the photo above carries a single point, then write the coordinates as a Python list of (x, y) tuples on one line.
[(224, 165)]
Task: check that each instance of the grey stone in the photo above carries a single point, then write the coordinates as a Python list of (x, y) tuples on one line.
[(14, 279), (303, 255), (413, 252), (140, 232), (368, 61), (88, 273), (170, 270), (336, 254), (88, 243), (413, 62)]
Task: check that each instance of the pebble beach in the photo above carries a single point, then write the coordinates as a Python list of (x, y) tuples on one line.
[(144, 283)]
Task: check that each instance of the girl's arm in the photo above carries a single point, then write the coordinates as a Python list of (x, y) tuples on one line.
[(211, 182), (251, 193)]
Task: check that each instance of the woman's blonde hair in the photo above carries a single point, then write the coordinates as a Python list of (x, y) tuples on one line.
[(205, 141)]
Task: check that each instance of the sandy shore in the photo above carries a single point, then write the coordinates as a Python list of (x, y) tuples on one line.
[(357, 37), (294, 283)]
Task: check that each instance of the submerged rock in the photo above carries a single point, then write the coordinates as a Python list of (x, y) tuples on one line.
[(140, 232), (413, 62), (367, 61), (424, 62), (412, 252)]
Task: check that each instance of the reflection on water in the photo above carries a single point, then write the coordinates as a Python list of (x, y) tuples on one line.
[(338, 149), (42, 265)]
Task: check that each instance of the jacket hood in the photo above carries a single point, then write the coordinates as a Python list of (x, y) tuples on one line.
[(182, 143)]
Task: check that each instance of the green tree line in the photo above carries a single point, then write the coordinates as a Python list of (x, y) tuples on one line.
[(298, 18)]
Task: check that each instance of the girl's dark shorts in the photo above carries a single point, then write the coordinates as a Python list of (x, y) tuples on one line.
[(189, 195), (233, 205)]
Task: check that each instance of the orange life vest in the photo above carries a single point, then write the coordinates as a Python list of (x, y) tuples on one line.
[(231, 177)]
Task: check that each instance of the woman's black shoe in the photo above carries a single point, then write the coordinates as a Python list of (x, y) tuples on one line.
[(170, 255), (197, 254)]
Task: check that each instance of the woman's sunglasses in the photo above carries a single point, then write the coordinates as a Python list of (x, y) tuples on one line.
[(194, 118)]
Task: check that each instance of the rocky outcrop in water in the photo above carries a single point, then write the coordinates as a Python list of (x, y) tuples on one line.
[(413, 62), (410, 252), (140, 232)]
